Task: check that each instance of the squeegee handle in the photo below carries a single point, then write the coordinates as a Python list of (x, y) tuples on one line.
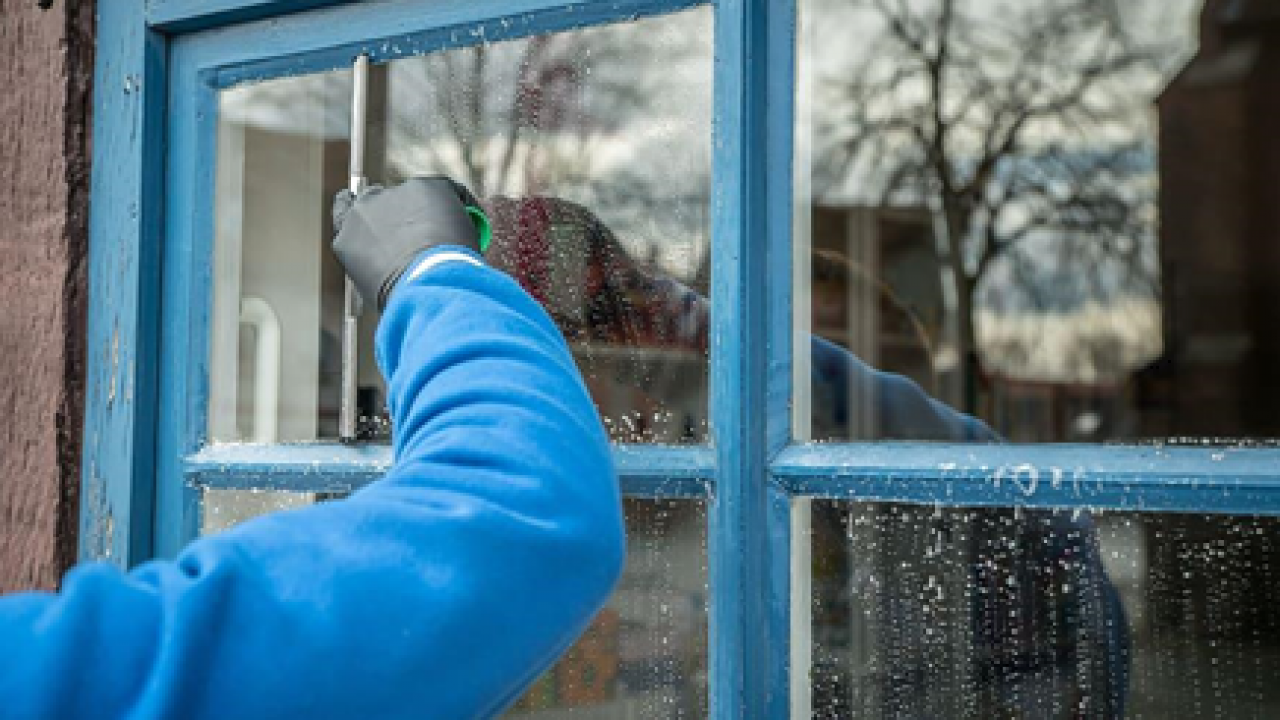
[(351, 305)]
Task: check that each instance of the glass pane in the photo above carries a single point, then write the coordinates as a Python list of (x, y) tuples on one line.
[(1051, 216), (277, 290), (645, 653), (993, 613), (221, 509), (590, 150)]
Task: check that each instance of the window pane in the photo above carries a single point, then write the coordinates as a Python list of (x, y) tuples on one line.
[(221, 509), (277, 291), (987, 613), (589, 149), (1052, 216), (645, 653)]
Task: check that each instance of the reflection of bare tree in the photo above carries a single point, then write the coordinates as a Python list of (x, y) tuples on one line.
[(1012, 124), (616, 118), (488, 128), (518, 117)]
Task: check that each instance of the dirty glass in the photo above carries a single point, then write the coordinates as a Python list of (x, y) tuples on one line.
[(645, 653), (922, 612), (1054, 217), (590, 150)]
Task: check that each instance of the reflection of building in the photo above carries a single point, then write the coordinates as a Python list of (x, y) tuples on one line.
[(1047, 377), (1043, 411), (893, 266), (1220, 231)]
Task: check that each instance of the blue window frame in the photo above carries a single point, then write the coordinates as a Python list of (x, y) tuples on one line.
[(160, 65)]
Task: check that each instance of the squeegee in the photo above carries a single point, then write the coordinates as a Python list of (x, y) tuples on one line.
[(352, 305)]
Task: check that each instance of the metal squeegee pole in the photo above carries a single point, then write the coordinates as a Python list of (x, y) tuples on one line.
[(351, 298)]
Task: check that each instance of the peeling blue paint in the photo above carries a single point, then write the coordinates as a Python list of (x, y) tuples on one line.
[(127, 200)]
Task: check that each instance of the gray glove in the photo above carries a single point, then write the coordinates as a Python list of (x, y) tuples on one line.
[(380, 232)]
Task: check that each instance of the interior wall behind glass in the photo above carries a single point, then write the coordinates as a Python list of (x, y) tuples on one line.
[(282, 150)]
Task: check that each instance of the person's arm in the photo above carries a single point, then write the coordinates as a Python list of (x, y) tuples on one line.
[(902, 409), (440, 591)]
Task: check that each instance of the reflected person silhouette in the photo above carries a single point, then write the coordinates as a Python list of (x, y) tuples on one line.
[(1036, 628)]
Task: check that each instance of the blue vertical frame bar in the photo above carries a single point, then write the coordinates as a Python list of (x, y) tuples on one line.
[(781, 537), (750, 352), (124, 253), (187, 298), (780, 81)]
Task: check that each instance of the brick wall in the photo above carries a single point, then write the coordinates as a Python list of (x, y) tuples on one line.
[(1219, 229), (46, 65)]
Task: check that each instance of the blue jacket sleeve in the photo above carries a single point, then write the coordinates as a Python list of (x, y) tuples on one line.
[(903, 411), (440, 591)]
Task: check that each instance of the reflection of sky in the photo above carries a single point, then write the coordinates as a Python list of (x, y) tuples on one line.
[(839, 40), (624, 127), (1041, 322), (317, 106), (632, 144)]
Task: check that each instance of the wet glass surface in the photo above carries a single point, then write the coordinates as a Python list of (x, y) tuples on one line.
[(590, 150), (923, 612), (645, 653), (1051, 216)]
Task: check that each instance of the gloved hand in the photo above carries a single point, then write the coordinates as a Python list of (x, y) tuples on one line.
[(380, 232)]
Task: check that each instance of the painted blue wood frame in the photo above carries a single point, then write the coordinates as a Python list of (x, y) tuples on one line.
[(665, 472), (780, 537), (330, 38), (779, 152), (750, 349), (1175, 479), (179, 16), (187, 298), (202, 63), (127, 189)]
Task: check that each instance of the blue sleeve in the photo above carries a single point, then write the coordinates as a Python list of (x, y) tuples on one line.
[(903, 411), (442, 590)]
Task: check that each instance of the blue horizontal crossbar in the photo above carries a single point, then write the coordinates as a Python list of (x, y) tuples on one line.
[(329, 38), (174, 16), (1173, 479), (668, 472)]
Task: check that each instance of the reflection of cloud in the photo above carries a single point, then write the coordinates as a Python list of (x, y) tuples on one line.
[(615, 117), (845, 59), (316, 106), (1096, 342)]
